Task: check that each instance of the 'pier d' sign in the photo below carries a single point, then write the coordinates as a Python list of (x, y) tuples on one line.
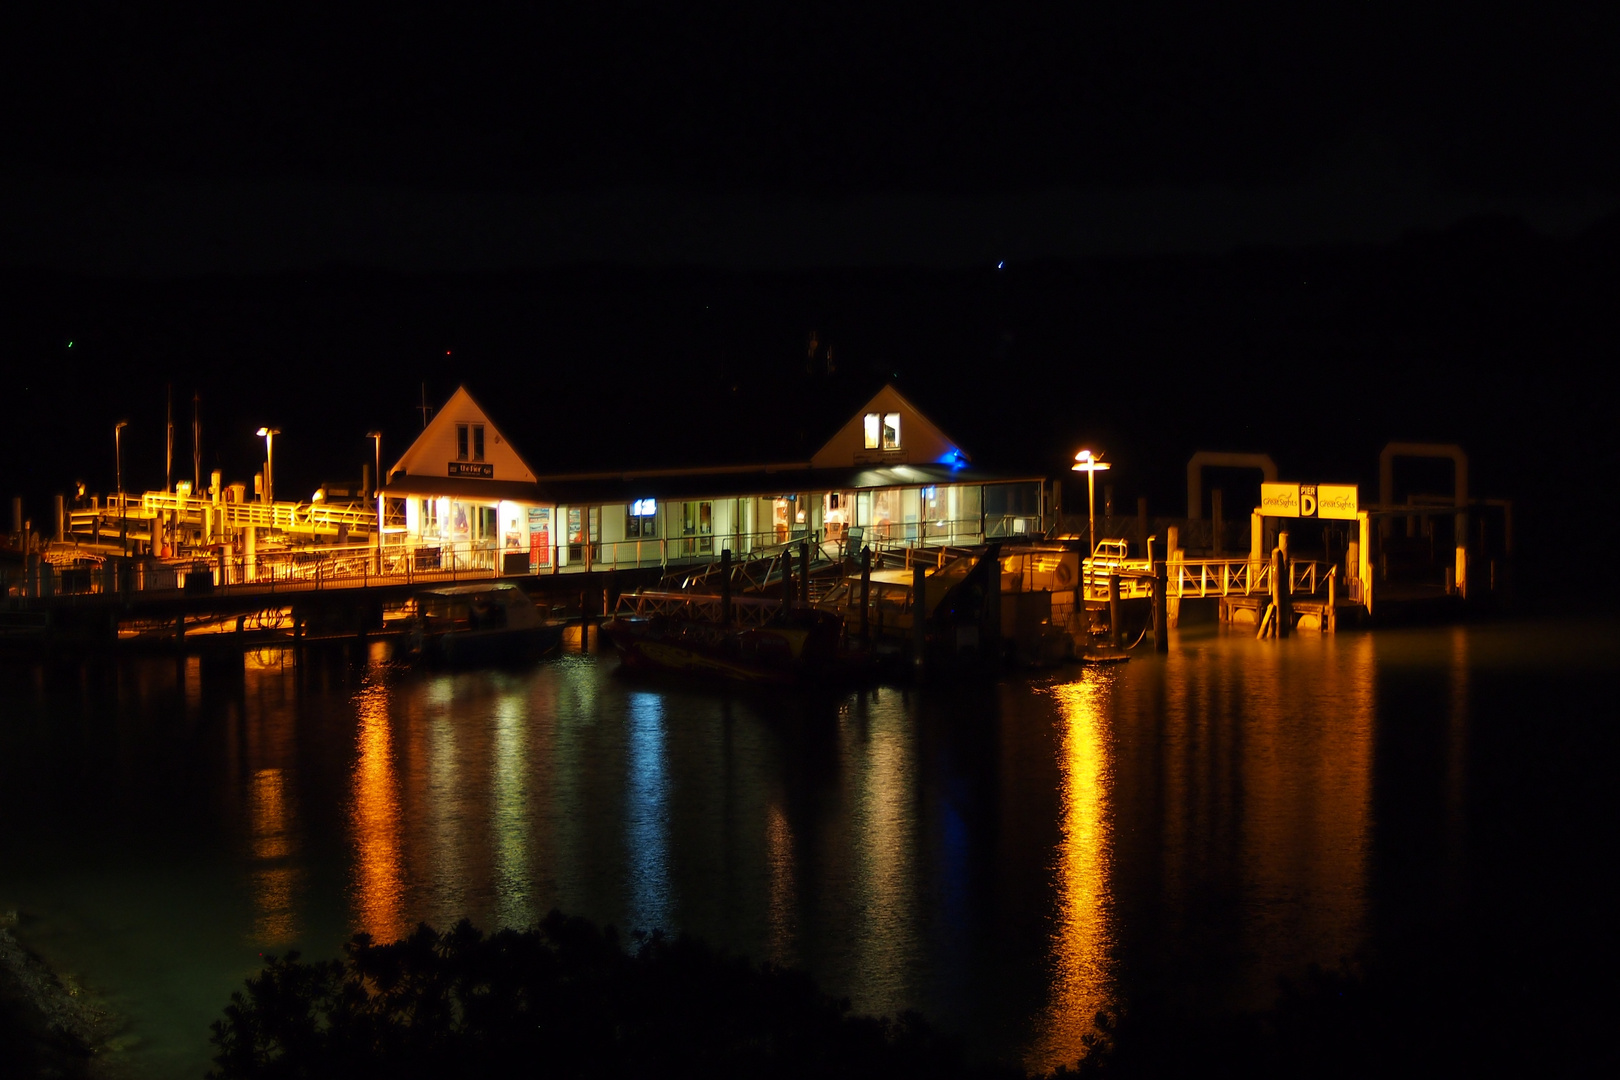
[(1309, 500)]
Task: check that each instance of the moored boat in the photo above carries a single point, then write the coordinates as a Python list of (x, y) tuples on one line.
[(789, 647), (485, 623)]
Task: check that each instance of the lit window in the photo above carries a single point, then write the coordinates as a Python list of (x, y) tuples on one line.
[(478, 442), (642, 519), (461, 442), (891, 431), (872, 420)]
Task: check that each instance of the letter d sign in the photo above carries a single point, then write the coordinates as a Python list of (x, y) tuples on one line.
[(1307, 500)]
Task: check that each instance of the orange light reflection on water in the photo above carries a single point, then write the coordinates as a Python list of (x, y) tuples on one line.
[(375, 820), (275, 877), (1083, 935)]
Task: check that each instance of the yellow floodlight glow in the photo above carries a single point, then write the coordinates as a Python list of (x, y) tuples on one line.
[(1090, 464)]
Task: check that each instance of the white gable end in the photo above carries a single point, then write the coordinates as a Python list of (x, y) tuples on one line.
[(887, 431), (440, 452)]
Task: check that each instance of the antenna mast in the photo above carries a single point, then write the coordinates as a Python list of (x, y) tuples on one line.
[(425, 410)]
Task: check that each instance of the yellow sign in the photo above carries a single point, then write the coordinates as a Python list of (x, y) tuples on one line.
[(1308, 500), (1336, 501), (1279, 500)]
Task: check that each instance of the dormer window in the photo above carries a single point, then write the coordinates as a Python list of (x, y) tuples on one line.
[(882, 431), (473, 433)]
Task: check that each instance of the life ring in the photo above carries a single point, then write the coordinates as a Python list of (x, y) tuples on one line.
[(1062, 574)]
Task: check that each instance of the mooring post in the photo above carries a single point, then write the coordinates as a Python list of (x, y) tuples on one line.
[(1279, 590), (866, 594), (990, 621), (787, 580), (1113, 610), (1257, 532), (804, 572), (1330, 623), (1172, 554), (1161, 614), (919, 609), (725, 586)]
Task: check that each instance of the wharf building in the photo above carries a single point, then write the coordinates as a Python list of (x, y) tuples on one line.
[(462, 494)]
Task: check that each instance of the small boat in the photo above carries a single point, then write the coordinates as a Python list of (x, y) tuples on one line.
[(486, 623), (802, 645)]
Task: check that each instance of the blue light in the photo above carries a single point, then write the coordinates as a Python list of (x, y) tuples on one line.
[(953, 459)]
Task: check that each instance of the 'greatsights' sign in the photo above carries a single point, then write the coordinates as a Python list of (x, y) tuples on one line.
[(1336, 501)]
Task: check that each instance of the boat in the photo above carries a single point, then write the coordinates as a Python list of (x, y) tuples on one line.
[(485, 623), (796, 646)]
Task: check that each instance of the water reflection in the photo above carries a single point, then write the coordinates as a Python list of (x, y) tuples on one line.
[(1246, 773), (1009, 861), (885, 840), (275, 876), (1082, 939), (647, 814), (379, 874), (509, 825)]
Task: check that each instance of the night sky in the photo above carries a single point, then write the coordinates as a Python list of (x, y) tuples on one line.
[(1050, 223)]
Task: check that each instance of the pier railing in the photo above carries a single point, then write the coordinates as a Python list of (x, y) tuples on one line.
[(1193, 578)]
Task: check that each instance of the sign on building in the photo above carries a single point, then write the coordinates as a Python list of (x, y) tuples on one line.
[(1337, 501)]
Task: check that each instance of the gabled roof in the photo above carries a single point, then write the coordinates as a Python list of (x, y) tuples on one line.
[(921, 442), (432, 457)]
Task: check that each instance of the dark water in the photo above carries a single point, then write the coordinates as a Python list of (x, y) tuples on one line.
[(1006, 858)]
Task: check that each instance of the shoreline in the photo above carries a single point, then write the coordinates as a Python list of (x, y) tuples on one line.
[(47, 1027)]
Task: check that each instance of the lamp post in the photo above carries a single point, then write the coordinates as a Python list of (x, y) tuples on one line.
[(1090, 464), (376, 481), (269, 434), (118, 474)]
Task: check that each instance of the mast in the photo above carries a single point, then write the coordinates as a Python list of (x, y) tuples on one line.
[(196, 443), (168, 446)]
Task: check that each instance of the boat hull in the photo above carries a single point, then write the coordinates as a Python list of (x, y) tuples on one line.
[(796, 651)]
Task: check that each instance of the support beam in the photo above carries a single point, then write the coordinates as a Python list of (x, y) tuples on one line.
[(1205, 459)]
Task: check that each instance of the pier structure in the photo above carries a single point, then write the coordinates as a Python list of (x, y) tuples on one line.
[(461, 501)]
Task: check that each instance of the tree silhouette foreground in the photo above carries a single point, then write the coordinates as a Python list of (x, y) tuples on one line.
[(562, 999)]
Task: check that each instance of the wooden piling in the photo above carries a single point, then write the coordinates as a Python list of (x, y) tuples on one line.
[(1330, 617), (866, 594), (725, 586), (804, 572), (787, 580), (919, 618), (1161, 614), (1113, 611)]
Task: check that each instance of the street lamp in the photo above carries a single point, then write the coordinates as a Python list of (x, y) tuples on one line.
[(376, 481), (269, 434), (118, 473), (1090, 464)]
